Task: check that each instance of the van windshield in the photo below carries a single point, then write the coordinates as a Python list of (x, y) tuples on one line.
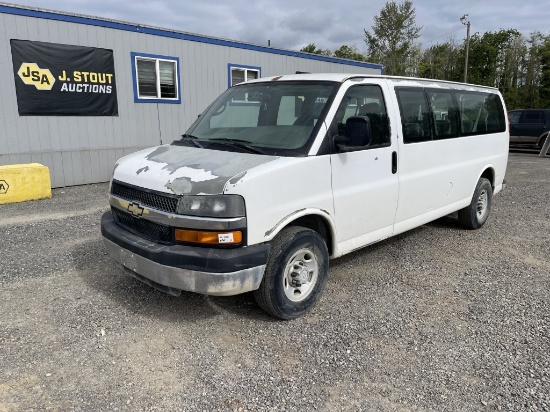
[(275, 118)]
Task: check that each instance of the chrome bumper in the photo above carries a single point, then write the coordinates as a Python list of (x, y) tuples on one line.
[(208, 283), (172, 268)]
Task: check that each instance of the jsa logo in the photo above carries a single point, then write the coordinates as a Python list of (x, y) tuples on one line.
[(31, 74)]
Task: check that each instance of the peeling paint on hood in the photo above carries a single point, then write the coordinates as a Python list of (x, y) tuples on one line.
[(186, 170)]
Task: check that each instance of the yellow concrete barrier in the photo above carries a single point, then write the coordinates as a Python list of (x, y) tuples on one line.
[(19, 183)]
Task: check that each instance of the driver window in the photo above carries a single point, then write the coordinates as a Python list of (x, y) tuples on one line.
[(365, 101)]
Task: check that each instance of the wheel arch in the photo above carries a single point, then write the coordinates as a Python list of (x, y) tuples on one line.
[(489, 174), (541, 138), (317, 220)]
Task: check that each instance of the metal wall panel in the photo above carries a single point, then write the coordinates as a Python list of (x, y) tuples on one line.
[(80, 150)]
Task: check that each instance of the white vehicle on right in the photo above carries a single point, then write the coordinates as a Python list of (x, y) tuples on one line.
[(281, 174)]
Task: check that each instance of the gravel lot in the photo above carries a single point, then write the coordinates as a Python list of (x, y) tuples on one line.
[(439, 318)]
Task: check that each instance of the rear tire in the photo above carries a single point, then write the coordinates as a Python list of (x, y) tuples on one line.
[(295, 275), (475, 215)]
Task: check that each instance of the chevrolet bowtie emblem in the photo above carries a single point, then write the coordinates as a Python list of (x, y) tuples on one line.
[(135, 209)]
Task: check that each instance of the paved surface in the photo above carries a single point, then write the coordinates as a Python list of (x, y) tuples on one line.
[(439, 318)]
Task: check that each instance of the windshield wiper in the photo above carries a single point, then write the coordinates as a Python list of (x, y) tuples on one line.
[(241, 144), (188, 138)]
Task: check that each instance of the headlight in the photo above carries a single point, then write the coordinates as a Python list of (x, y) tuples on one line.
[(212, 206)]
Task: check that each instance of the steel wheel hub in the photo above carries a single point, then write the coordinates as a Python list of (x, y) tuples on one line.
[(482, 203), (301, 275)]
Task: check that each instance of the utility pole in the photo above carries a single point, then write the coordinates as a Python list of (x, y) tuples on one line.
[(465, 21)]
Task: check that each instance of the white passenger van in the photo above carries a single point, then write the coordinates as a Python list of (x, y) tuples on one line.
[(280, 174)]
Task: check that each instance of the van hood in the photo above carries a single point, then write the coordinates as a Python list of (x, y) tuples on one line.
[(186, 170)]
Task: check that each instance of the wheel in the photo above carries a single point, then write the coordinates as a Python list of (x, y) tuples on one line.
[(295, 275), (475, 215)]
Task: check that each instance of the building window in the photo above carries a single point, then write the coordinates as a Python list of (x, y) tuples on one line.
[(156, 78), (237, 73)]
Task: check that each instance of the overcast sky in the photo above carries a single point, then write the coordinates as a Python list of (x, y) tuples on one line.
[(292, 24)]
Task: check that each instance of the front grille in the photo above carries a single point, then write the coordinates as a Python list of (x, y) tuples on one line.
[(145, 228), (153, 200)]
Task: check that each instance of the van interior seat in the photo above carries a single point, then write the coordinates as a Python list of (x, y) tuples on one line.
[(467, 125), (413, 132), (443, 127), (372, 111), (369, 108)]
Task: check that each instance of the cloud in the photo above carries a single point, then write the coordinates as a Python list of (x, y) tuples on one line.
[(291, 25)]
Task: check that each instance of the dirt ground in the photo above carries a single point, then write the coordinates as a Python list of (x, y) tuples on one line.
[(439, 318)]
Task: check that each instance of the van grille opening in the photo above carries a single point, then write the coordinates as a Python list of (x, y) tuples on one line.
[(141, 227), (150, 199)]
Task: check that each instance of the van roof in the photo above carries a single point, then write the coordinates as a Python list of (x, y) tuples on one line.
[(342, 77)]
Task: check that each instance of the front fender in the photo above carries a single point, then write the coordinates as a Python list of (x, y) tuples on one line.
[(292, 217)]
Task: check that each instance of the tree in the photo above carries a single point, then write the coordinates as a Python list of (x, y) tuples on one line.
[(511, 72), (441, 61), (349, 52), (544, 52), (391, 42), (312, 48), (487, 56)]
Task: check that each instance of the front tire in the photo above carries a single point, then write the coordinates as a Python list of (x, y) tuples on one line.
[(295, 275), (475, 215)]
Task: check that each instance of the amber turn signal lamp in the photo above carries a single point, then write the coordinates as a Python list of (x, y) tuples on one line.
[(209, 238)]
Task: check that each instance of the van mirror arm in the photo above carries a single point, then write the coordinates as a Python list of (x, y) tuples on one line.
[(358, 130), (341, 143)]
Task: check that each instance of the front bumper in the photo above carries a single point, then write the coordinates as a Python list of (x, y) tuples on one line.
[(211, 271)]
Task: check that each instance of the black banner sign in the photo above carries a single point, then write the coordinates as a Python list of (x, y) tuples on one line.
[(61, 80)]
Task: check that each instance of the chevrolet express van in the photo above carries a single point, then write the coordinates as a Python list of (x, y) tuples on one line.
[(280, 174)]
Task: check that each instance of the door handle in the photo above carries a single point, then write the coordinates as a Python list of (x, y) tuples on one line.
[(394, 162)]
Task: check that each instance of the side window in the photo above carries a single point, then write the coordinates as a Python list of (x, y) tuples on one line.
[(514, 117), (444, 114), (238, 74), (496, 121), (471, 106), (480, 113), (532, 116), (415, 115), (365, 101), (156, 78)]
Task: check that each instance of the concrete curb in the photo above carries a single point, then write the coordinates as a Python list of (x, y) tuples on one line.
[(19, 183)]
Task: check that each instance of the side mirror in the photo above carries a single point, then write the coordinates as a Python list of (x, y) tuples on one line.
[(358, 135), (339, 140)]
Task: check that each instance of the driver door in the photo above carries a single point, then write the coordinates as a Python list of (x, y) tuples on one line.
[(364, 180)]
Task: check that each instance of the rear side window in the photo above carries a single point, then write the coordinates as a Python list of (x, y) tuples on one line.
[(496, 120), (480, 113), (428, 114), (513, 117), (415, 115), (445, 116), (532, 116)]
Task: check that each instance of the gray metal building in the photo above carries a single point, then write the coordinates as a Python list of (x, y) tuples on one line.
[(164, 79)]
